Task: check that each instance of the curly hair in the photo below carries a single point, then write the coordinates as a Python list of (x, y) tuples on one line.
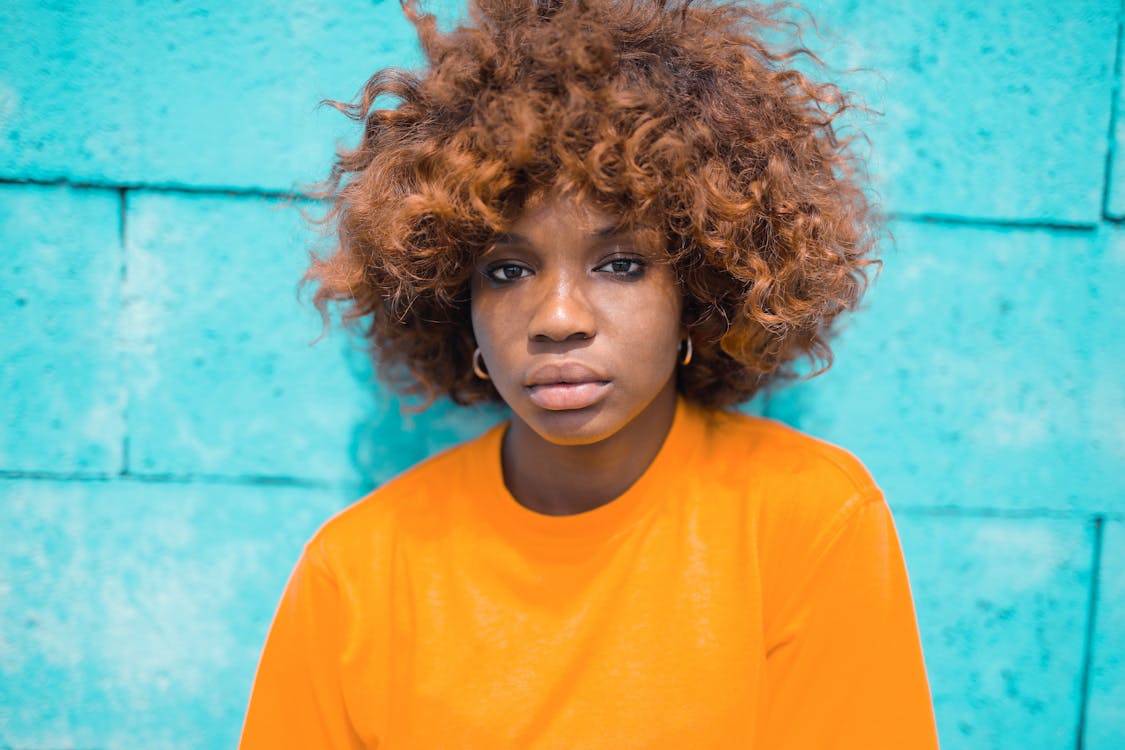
[(675, 115)]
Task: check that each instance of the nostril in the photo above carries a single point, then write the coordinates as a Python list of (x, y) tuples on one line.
[(563, 316)]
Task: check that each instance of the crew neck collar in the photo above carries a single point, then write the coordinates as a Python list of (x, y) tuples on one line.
[(656, 484)]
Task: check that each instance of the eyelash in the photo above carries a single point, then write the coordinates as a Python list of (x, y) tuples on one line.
[(635, 274), (496, 273), (492, 271)]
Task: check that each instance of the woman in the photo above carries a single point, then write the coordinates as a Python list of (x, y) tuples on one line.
[(619, 219)]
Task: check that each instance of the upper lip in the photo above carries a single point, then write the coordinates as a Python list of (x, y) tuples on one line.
[(563, 372)]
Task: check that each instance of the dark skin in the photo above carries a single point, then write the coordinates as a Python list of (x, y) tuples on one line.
[(579, 327)]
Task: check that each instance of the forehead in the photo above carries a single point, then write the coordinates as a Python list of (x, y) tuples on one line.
[(575, 213), (549, 217)]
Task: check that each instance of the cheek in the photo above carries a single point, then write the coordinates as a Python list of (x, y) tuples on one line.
[(495, 328), (647, 327), (477, 317), (659, 307), (482, 314)]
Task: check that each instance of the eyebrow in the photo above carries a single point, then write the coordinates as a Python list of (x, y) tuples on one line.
[(612, 230), (512, 238)]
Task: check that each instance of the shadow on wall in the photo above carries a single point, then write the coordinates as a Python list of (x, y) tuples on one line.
[(394, 435)]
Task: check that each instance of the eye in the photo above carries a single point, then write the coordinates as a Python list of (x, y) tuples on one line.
[(506, 272), (625, 267)]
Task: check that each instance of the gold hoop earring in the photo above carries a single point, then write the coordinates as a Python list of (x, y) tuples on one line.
[(478, 365), (685, 356)]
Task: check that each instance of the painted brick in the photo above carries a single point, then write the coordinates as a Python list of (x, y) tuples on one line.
[(989, 109), (985, 371), (1115, 190), (1105, 716), (60, 284), (222, 377), (1002, 609), (132, 615), (159, 93), (393, 436), (205, 93)]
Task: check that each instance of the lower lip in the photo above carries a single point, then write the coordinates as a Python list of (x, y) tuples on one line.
[(564, 396)]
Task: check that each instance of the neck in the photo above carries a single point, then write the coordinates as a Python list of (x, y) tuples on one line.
[(562, 480)]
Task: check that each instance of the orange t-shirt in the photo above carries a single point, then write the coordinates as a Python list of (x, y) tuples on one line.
[(748, 591)]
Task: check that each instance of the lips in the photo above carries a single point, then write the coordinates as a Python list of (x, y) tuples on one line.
[(566, 385)]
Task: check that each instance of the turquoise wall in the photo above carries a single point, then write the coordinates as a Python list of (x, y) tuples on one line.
[(168, 438)]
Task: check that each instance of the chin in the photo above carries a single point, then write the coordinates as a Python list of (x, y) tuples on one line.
[(585, 426)]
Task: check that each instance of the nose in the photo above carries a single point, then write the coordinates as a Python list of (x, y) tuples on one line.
[(562, 311)]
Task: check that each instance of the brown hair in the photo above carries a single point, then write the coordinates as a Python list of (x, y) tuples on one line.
[(676, 116)]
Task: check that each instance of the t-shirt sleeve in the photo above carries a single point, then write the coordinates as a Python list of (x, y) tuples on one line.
[(297, 700), (844, 661)]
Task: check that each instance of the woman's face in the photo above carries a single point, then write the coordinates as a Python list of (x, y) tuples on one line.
[(578, 325)]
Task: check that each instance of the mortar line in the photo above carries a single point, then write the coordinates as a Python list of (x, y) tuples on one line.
[(1041, 512), (366, 484), (991, 223), (110, 477), (1091, 630), (58, 182), (122, 209), (241, 192), (296, 195), (1114, 92)]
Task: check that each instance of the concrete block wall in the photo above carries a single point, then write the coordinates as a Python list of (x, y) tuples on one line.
[(168, 438)]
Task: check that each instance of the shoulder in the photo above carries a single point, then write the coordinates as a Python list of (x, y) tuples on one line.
[(419, 500), (807, 500), (800, 491), (775, 456)]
